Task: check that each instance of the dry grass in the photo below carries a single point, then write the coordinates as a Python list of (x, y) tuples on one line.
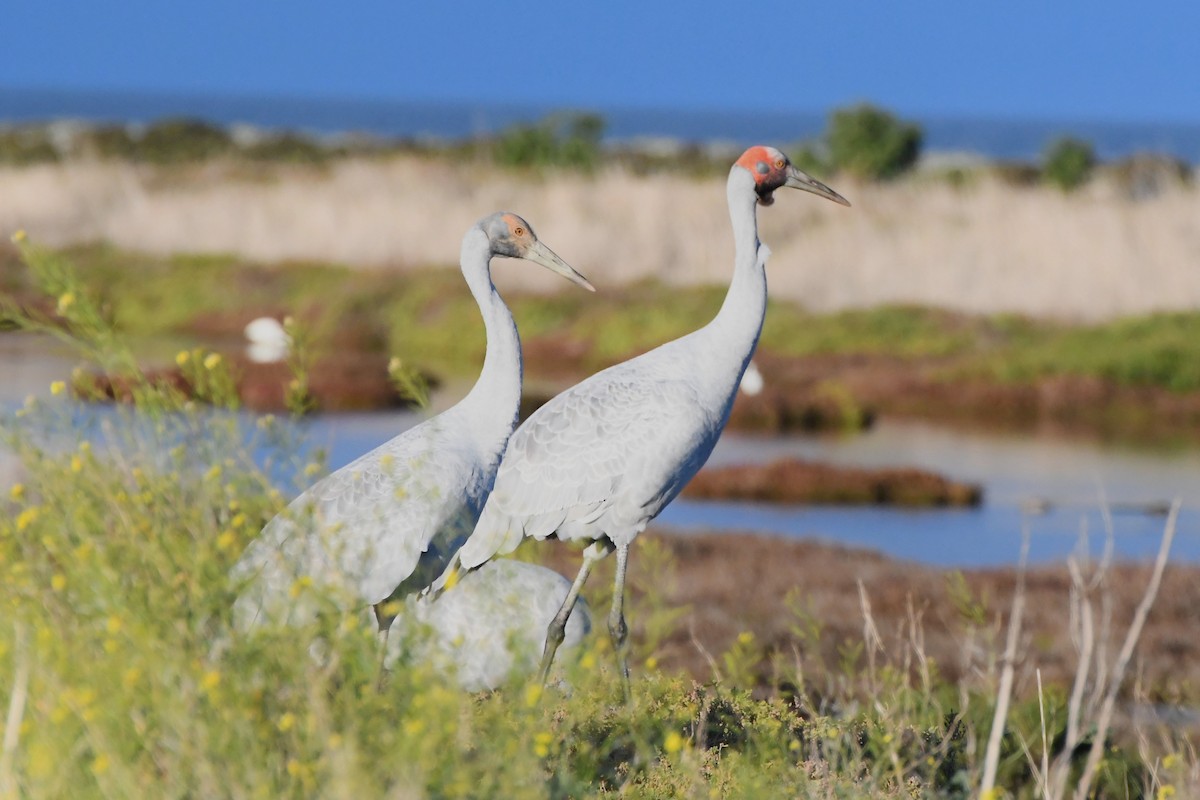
[(986, 248), (736, 582)]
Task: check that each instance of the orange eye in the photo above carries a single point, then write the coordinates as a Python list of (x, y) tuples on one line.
[(779, 163), (518, 231)]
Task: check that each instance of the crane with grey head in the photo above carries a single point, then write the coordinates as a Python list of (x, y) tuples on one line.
[(602, 459), (386, 524)]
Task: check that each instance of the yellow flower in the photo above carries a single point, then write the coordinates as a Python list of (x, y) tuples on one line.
[(213, 473), (299, 585), (57, 388), (76, 464), (414, 726), (673, 743), (100, 764), (113, 624), (745, 637), (27, 517), (533, 693), (651, 662), (238, 520), (210, 681), (226, 540), (17, 491), (588, 661), (286, 722), (19, 236), (541, 744), (182, 357), (212, 360), (311, 468), (58, 582), (65, 301), (1164, 791), (1170, 760)]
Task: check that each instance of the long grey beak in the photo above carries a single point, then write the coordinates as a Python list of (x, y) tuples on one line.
[(538, 253), (805, 182)]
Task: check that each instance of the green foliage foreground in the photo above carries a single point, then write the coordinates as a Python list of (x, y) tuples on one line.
[(122, 676)]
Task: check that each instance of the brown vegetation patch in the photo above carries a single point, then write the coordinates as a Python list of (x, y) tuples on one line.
[(790, 480), (346, 382), (927, 389)]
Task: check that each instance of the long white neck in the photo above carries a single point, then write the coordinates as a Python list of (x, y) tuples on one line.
[(733, 334), (492, 404)]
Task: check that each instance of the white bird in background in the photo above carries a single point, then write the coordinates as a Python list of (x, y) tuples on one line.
[(493, 625), (267, 340), (752, 381), (602, 459), (386, 524)]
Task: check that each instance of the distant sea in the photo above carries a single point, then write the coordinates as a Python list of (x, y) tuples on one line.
[(993, 138)]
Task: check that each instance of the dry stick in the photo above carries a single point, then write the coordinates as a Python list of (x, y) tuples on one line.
[(1105, 629), (1131, 639), (870, 634), (991, 759), (1087, 642), (1044, 779), (16, 711), (1084, 631)]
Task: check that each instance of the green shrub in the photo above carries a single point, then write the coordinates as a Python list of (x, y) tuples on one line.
[(174, 141), (289, 147), (872, 143), (26, 145), (111, 141), (561, 140), (1068, 163)]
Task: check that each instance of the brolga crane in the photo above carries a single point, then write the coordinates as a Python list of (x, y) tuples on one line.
[(602, 459), (386, 524)]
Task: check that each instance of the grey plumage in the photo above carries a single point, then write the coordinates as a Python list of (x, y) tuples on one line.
[(489, 627)]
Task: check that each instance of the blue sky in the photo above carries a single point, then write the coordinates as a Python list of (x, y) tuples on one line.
[(1099, 60)]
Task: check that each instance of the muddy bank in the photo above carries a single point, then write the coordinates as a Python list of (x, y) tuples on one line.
[(790, 480), (782, 590)]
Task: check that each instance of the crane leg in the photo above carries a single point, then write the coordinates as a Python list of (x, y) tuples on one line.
[(558, 626), (617, 629)]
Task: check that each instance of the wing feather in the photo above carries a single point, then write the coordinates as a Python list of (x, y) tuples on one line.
[(395, 513), (605, 451)]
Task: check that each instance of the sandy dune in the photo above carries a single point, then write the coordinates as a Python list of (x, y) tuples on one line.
[(988, 248)]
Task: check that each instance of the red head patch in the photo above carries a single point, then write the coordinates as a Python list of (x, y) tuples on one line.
[(766, 164)]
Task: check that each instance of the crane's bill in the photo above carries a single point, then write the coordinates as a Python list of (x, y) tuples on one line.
[(805, 182), (538, 253)]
